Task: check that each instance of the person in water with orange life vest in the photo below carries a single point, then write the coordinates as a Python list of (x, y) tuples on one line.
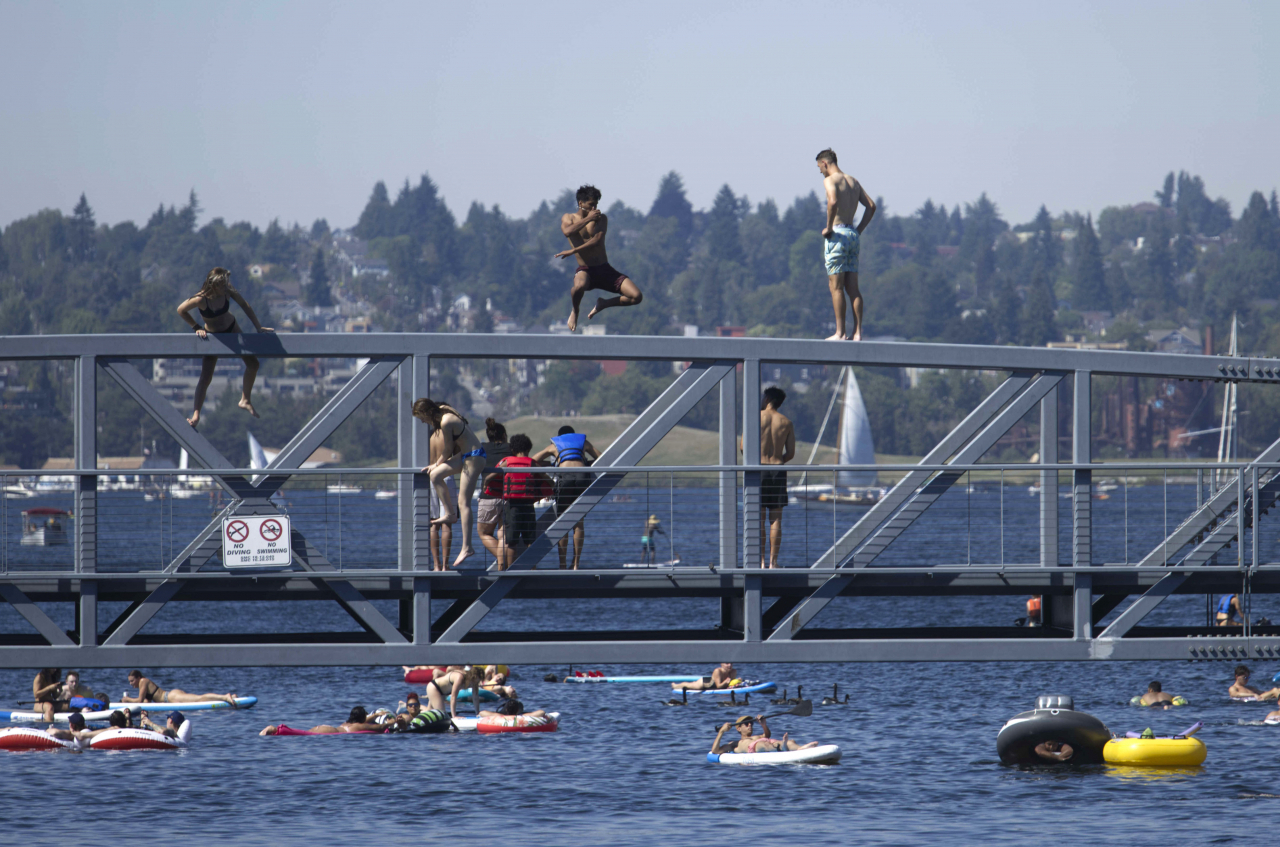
[(519, 492), (748, 742), (214, 301), (1034, 617), (570, 449)]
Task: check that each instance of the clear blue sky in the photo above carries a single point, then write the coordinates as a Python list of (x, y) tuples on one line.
[(294, 109)]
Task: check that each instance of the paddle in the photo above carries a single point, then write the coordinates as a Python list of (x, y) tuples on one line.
[(803, 709)]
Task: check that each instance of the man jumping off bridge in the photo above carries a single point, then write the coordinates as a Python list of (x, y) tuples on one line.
[(585, 230)]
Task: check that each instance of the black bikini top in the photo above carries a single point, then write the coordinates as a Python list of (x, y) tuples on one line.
[(215, 313)]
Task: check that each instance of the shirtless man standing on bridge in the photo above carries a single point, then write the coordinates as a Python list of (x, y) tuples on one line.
[(585, 230), (777, 447), (840, 252)]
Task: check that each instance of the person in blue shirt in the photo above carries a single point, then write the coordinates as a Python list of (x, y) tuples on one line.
[(570, 449), (1229, 610)]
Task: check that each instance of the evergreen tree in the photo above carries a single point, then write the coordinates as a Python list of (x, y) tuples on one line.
[(1158, 263), (723, 244), (982, 225), (190, 213), (277, 247), (376, 219), (317, 292), (4, 257), (81, 235), (1165, 196), (319, 230), (1037, 326), (1005, 309), (1089, 282), (1044, 252), (671, 202), (1256, 228), (1275, 206)]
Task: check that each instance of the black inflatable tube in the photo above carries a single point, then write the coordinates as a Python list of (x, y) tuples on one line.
[(1017, 741)]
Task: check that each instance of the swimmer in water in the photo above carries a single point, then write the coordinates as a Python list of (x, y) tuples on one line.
[(1241, 689), (149, 692), (357, 721), (496, 681), (1156, 697), (1055, 751), (748, 742), (722, 677)]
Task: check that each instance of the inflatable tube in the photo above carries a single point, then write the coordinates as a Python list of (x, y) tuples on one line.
[(38, 717), (200, 706), (633, 679), (281, 729), (825, 754), (1155, 752), (747, 687), (1136, 700), (421, 676), (140, 739), (1054, 719), (25, 738), (518, 723)]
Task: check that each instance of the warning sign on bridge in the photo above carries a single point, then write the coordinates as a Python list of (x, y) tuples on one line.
[(250, 541)]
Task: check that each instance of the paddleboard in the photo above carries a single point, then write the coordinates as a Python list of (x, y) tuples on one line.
[(201, 706), (632, 679), (753, 688), (825, 754), (30, 716)]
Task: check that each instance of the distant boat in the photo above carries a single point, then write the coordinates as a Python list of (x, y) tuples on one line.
[(856, 448), (18, 492), (344, 489), (385, 494), (43, 527)]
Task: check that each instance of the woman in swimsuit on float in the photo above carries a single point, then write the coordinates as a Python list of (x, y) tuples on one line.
[(214, 302), (460, 454)]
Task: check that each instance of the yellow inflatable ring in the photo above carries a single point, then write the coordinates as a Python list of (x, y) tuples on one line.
[(1155, 752)]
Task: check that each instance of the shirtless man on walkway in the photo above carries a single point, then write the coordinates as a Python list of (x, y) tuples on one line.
[(777, 447), (585, 230), (149, 692), (842, 246)]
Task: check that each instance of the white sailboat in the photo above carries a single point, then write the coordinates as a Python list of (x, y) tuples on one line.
[(856, 448)]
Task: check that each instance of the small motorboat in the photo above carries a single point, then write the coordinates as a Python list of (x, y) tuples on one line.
[(44, 527)]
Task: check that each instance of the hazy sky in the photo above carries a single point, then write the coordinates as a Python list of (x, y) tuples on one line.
[(294, 109)]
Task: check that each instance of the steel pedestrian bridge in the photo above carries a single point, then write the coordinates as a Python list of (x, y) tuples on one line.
[(1214, 543)]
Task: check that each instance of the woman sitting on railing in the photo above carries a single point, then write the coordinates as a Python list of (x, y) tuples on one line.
[(214, 300), (460, 454)]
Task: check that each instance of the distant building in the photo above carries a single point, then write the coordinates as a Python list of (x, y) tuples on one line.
[(1184, 340)]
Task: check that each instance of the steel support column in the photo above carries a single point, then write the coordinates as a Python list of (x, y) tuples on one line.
[(728, 479), (1082, 481), (752, 619), (416, 490), (1082, 608), (421, 610), (751, 521), (86, 458), (1049, 480)]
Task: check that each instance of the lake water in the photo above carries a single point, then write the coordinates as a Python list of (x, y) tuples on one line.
[(919, 745)]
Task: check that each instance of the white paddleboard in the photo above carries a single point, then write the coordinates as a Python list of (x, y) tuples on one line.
[(824, 754)]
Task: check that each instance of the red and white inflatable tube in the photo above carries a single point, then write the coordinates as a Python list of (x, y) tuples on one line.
[(140, 739), (26, 738), (519, 723), (421, 675)]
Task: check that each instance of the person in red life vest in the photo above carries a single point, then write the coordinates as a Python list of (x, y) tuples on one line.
[(520, 491), (1033, 611)]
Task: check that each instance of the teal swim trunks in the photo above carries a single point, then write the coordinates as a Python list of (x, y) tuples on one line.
[(840, 251)]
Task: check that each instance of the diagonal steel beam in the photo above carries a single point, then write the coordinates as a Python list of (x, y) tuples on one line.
[(326, 421), (146, 610), (1215, 509), (171, 421), (1141, 607), (35, 616), (625, 452), (916, 503), (907, 486), (1227, 530), (364, 612)]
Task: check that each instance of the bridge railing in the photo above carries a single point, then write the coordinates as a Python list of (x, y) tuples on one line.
[(988, 515)]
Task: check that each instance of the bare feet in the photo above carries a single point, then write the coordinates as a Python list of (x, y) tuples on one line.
[(463, 554), (194, 420), (839, 336), (573, 321), (247, 406), (857, 336), (231, 700), (596, 310)]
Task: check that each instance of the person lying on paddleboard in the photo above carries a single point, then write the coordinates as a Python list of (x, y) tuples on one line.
[(357, 721), (748, 742), (722, 677), (1242, 690), (149, 692)]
